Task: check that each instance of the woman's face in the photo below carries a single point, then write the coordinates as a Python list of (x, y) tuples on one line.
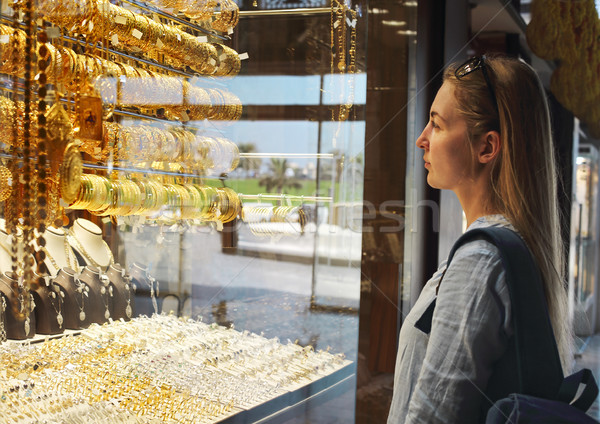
[(447, 155)]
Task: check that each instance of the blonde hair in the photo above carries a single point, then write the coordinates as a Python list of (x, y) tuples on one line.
[(524, 174)]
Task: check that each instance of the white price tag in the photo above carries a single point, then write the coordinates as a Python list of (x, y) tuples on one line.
[(121, 20), (212, 61), (336, 24), (223, 56), (243, 56), (184, 116), (203, 39), (123, 78), (137, 34), (159, 44), (106, 220), (114, 39), (91, 26), (4, 38), (219, 225), (229, 31), (178, 37)]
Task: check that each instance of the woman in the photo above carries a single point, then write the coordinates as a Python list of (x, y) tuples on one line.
[(489, 141)]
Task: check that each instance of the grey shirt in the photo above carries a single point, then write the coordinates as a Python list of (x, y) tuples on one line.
[(440, 377)]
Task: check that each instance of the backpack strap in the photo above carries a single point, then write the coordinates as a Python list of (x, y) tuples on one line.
[(538, 363), (570, 386)]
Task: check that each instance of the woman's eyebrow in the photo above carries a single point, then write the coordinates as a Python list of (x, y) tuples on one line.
[(433, 114)]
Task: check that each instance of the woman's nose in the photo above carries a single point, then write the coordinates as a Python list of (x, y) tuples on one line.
[(423, 140)]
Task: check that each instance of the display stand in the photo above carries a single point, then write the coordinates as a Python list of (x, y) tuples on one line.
[(85, 238), (6, 242), (17, 328), (76, 302), (49, 308), (59, 253), (123, 299), (99, 302)]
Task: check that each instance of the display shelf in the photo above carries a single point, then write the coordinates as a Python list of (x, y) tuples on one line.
[(174, 18), (279, 409), (290, 197), (8, 20), (204, 372)]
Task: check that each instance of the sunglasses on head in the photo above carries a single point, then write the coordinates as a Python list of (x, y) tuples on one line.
[(473, 64)]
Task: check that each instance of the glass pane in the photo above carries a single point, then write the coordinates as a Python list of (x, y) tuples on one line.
[(197, 174)]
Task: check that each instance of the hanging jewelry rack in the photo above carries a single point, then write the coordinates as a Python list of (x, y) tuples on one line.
[(129, 114), (287, 155), (147, 171), (294, 12), (174, 18), (213, 80), (324, 199), (88, 165)]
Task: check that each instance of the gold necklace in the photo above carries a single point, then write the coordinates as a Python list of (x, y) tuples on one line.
[(52, 260), (81, 249), (2, 326), (12, 252), (6, 249), (68, 255)]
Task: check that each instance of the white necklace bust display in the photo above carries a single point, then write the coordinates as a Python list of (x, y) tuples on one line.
[(85, 237), (6, 242), (59, 253)]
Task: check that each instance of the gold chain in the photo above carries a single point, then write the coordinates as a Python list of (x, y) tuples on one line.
[(82, 250)]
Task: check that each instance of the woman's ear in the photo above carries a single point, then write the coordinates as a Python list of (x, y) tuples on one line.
[(489, 147)]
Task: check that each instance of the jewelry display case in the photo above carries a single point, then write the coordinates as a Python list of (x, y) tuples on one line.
[(182, 189)]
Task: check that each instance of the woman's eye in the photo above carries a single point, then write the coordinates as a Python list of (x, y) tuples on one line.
[(434, 125)]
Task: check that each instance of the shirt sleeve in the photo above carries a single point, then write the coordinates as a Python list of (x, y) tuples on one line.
[(467, 337)]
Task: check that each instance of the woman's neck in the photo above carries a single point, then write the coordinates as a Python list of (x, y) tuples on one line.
[(476, 200)]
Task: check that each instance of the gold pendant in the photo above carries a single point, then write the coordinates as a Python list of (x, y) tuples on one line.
[(90, 118), (70, 173)]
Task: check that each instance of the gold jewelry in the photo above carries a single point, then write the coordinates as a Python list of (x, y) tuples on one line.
[(3, 317), (6, 182), (87, 256), (70, 173)]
